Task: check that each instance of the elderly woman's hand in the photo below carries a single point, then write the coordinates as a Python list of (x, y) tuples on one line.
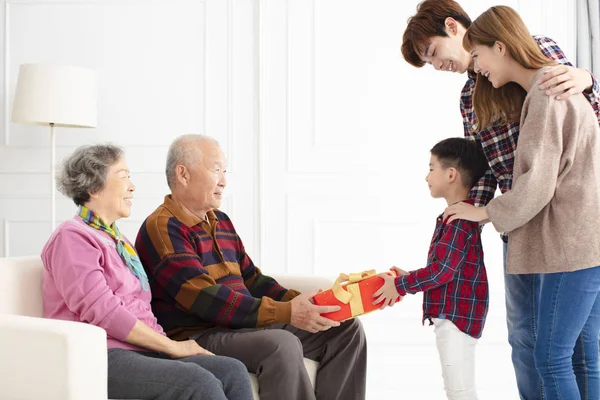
[(186, 348), (143, 336)]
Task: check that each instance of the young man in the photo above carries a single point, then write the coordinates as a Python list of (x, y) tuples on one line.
[(434, 36), (454, 282)]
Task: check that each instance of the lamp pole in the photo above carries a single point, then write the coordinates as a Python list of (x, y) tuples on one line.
[(55, 95), (52, 172)]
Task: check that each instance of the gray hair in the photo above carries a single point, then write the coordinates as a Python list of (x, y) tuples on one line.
[(85, 171), (182, 152)]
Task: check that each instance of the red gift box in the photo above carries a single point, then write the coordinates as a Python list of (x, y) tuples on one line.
[(354, 297)]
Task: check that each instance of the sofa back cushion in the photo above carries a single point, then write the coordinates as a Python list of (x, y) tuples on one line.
[(21, 286)]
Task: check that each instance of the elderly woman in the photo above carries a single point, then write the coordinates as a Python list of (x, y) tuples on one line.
[(92, 274)]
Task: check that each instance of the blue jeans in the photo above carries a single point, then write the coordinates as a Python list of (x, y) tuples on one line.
[(568, 324), (522, 296)]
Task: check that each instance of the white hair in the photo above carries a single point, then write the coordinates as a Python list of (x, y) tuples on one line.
[(182, 152), (85, 171)]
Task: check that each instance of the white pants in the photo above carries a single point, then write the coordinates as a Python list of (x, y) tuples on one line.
[(457, 356)]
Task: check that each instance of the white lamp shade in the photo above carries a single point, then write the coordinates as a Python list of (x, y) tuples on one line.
[(61, 95)]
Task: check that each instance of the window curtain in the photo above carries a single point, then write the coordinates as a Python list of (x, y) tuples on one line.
[(588, 35)]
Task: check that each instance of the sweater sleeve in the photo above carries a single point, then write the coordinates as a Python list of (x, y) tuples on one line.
[(259, 284), (537, 162), (181, 275), (554, 52), (185, 279), (483, 191), (75, 264)]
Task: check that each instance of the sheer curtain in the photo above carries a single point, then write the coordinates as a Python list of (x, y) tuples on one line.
[(588, 35)]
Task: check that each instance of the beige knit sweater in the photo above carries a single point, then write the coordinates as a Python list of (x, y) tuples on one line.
[(552, 213)]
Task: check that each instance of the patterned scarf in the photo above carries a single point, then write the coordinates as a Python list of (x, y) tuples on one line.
[(125, 250)]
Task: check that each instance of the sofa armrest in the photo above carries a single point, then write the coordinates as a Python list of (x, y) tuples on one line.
[(51, 359), (304, 283)]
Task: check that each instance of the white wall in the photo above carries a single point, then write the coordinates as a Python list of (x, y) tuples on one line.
[(327, 130), (165, 68), (347, 126)]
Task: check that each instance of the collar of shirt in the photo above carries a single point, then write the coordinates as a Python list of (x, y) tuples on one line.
[(472, 74), (440, 218), (186, 218)]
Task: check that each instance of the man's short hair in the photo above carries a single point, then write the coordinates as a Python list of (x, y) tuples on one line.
[(183, 152), (429, 21), (465, 155)]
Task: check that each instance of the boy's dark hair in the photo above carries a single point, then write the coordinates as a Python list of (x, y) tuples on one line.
[(463, 154), (429, 21)]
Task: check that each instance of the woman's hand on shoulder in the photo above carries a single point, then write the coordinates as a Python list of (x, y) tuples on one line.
[(466, 211)]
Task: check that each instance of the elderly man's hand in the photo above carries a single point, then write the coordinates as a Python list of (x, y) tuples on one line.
[(307, 316)]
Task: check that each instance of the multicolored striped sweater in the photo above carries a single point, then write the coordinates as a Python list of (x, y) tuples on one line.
[(201, 276)]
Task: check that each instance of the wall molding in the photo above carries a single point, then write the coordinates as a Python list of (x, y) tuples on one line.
[(5, 242), (312, 62), (92, 2), (260, 190), (6, 61)]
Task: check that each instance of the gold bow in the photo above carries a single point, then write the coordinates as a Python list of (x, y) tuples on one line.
[(352, 293)]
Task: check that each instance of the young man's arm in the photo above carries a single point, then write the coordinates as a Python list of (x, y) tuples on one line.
[(483, 191), (450, 254), (568, 81)]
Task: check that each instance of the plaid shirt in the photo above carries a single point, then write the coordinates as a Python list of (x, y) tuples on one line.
[(454, 281), (500, 141)]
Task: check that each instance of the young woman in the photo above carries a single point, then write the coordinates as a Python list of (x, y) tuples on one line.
[(552, 212)]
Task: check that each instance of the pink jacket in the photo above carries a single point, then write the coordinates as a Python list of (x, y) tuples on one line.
[(86, 280)]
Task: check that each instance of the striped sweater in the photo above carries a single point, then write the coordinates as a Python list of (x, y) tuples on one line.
[(201, 276)]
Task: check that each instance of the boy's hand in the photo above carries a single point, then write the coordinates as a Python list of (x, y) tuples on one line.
[(387, 295), (398, 271)]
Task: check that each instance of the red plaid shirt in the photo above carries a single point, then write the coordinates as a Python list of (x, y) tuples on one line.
[(500, 141), (454, 281)]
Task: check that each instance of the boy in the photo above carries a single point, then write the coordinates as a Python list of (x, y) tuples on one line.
[(434, 36), (454, 281)]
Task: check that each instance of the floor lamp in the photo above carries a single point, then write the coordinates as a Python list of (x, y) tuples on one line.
[(55, 96)]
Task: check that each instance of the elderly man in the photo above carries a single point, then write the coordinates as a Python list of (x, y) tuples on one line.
[(205, 287)]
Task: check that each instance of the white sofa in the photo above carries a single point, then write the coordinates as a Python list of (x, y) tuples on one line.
[(60, 360)]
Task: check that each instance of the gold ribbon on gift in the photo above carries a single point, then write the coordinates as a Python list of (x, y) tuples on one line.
[(352, 293)]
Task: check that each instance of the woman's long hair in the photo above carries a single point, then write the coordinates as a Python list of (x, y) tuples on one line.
[(503, 24)]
